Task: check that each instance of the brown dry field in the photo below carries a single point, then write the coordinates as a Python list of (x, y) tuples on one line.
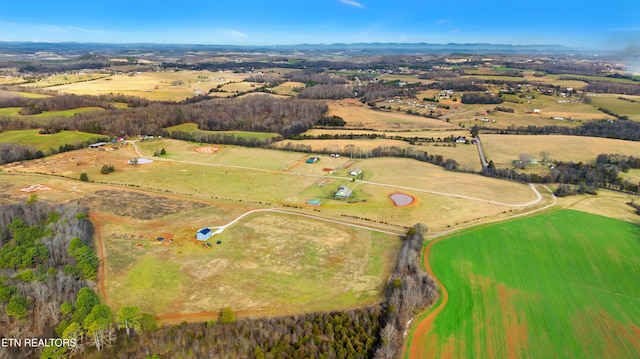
[(503, 149), (466, 155), (606, 203), (155, 85), (358, 115)]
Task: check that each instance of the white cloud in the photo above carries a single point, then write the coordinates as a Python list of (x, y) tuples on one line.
[(352, 3), (232, 33), (441, 22), (90, 31)]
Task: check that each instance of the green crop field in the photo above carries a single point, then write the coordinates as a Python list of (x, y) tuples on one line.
[(44, 142), (562, 284)]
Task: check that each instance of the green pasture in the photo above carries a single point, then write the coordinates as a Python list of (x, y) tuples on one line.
[(616, 105), (44, 142), (15, 111), (562, 284), (193, 128), (10, 111), (31, 94)]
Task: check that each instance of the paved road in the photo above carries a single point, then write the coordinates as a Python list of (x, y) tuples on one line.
[(483, 159)]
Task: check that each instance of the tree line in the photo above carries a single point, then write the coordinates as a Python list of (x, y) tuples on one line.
[(579, 178), (620, 129), (409, 291)]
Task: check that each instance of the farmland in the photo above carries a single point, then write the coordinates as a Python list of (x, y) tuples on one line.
[(505, 149), (45, 142), (304, 212), (541, 286)]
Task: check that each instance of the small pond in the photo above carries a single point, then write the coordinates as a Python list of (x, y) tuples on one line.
[(401, 199)]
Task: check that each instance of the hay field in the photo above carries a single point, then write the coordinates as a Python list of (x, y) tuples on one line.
[(358, 115), (170, 86), (559, 284), (503, 149)]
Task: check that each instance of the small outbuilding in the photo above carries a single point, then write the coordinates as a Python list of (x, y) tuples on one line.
[(203, 234), (355, 172)]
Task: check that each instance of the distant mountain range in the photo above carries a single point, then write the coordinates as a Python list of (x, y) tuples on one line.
[(364, 48)]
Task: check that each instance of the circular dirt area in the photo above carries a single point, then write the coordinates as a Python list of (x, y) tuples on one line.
[(401, 199), (207, 149)]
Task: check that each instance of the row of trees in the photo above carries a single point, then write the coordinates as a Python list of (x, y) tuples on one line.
[(621, 129), (354, 151), (409, 291), (584, 177)]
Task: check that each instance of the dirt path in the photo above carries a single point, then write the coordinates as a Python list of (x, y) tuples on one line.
[(101, 253), (417, 348)]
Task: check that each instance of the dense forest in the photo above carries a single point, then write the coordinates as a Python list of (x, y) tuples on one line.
[(262, 113), (46, 259)]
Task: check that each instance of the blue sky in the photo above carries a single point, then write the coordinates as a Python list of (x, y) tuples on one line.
[(612, 24)]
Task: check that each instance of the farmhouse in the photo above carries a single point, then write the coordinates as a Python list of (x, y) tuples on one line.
[(343, 192), (355, 172), (203, 234)]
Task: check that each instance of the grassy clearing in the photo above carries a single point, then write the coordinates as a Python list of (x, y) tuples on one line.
[(63, 79), (267, 264), (10, 111), (30, 94), (15, 112), (193, 128), (538, 287), (503, 149), (44, 142)]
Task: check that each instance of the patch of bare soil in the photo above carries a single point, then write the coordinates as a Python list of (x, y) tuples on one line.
[(138, 205), (207, 149)]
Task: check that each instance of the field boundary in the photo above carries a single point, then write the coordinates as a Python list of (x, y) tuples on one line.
[(425, 319)]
